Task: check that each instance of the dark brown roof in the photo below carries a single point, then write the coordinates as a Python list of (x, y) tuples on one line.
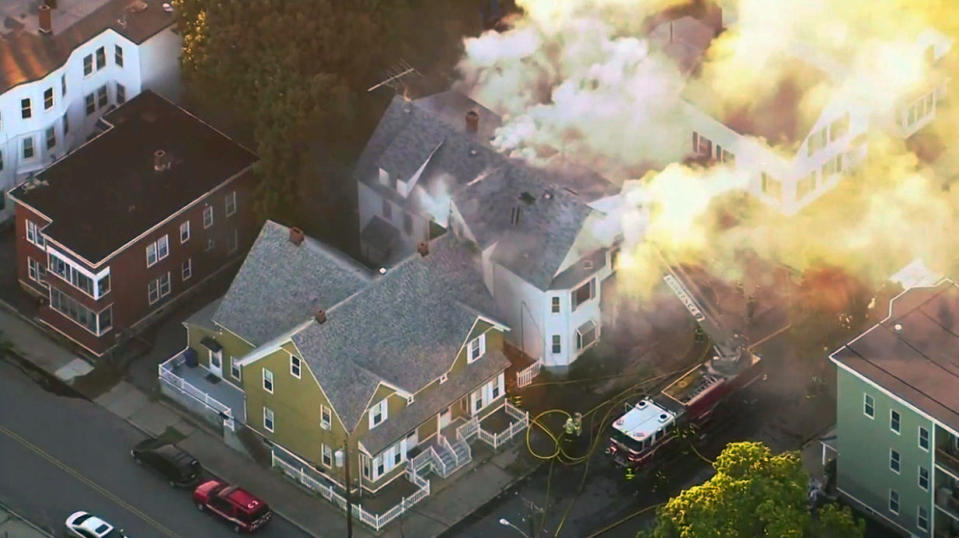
[(26, 56), (918, 363), (106, 192)]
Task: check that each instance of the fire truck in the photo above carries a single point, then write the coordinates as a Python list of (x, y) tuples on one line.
[(649, 425)]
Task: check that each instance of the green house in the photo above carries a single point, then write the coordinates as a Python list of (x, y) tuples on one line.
[(897, 419)]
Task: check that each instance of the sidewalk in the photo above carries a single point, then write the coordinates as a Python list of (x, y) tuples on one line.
[(14, 526)]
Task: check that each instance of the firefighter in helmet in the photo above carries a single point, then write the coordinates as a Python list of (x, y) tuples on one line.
[(574, 425)]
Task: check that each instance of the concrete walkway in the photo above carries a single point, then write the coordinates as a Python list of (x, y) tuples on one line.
[(14, 526)]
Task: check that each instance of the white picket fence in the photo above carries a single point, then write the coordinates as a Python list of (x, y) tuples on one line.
[(167, 375), (520, 423), (525, 376), (304, 473)]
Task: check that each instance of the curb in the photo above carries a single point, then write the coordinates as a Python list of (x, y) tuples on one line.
[(16, 515)]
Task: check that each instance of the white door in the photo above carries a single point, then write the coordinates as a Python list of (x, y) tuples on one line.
[(216, 362), (445, 418)]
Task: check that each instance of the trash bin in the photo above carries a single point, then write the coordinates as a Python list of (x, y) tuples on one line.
[(191, 358)]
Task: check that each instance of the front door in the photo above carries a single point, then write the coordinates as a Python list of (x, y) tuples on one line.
[(445, 418), (216, 362)]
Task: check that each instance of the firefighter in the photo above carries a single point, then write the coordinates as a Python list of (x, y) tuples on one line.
[(699, 335), (569, 428), (630, 473), (578, 423)]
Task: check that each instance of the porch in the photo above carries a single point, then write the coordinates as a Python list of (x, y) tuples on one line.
[(201, 391)]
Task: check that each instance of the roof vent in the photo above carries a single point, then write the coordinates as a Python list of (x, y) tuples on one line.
[(472, 121), (663, 417), (473, 152), (320, 316), (45, 19), (548, 195), (641, 405), (897, 327), (423, 248), (382, 270), (161, 161), (527, 198), (296, 236)]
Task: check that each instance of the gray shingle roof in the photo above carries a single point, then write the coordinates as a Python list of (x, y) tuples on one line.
[(405, 328), (281, 284)]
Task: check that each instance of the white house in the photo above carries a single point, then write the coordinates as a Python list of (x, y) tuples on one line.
[(63, 66)]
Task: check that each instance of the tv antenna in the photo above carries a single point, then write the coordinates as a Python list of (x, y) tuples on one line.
[(396, 75)]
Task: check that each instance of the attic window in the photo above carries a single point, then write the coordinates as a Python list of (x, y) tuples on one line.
[(527, 198), (588, 265)]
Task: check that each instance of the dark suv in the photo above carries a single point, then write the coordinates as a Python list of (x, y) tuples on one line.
[(178, 467)]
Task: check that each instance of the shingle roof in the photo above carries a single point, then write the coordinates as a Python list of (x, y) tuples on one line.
[(405, 328), (918, 362), (281, 284), (26, 56)]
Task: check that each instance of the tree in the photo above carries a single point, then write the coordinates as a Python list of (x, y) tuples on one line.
[(753, 493)]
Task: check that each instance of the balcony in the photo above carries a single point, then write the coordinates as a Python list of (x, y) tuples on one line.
[(947, 502), (202, 392), (947, 459)]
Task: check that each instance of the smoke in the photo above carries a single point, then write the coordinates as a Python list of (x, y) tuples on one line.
[(435, 197), (578, 76)]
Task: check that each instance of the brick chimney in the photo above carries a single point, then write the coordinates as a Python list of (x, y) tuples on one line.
[(423, 248), (320, 316), (472, 121), (46, 19), (296, 237), (161, 161)]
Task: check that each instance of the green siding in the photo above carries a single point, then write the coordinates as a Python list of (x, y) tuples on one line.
[(863, 465)]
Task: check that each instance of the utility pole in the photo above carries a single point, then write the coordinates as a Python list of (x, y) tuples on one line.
[(349, 497)]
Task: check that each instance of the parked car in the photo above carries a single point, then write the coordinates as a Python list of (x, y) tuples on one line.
[(237, 506), (86, 525), (178, 467)]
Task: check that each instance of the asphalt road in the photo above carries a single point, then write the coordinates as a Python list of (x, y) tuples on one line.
[(59, 454)]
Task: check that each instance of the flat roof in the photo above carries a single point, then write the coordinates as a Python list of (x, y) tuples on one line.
[(106, 192), (912, 352), (27, 55), (643, 419)]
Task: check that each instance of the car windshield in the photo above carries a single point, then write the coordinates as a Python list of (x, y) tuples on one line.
[(632, 444), (81, 519)]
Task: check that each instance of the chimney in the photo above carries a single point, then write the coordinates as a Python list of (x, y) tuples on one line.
[(46, 20), (161, 161), (296, 237), (423, 248), (320, 316), (472, 121), (51, 3)]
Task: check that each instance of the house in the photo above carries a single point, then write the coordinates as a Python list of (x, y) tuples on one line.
[(390, 374), (65, 63), (118, 229), (896, 441), (791, 155), (545, 237)]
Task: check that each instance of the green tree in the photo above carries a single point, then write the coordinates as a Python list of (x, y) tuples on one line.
[(753, 493)]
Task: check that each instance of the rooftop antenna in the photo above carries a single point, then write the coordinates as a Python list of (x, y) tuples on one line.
[(395, 77)]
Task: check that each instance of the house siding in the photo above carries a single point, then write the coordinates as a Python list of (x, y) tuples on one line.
[(234, 348)]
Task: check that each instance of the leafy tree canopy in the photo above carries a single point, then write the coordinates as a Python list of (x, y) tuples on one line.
[(753, 493)]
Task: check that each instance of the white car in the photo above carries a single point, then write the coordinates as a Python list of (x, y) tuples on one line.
[(86, 525)]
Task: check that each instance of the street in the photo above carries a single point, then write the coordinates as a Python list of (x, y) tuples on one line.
[(60, 453)]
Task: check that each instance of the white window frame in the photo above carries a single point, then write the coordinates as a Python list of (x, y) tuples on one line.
[(163, 247), (919, 478), (269, 417), (555, 305), (32, 146), (207, 217), (920, 440), (118, 55), (327, 455), (186, 270), (34, 268), (48, 103), (895, 458), (868, 406), (230, 203), (477, 346), (184, 230), (591, 282), (296, 366), (326, 417), (71, 268), (383, 408), (151, 252), (922, 518), (894, 494), (898, 429), (153, 291), (169, 284), (33, 234), (235, 371), (88, 60), (268, 377)]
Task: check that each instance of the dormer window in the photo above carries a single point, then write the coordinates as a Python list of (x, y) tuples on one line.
[(378, 413), (384, 178), (477, 347)]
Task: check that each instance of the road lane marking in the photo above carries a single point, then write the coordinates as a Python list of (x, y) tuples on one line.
[(98, 488)]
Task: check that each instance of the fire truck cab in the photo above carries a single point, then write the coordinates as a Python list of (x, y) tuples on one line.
[(640, 432)]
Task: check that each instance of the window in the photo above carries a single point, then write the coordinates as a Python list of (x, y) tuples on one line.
[(118, 55), (106, 319), (151, 254), (163, 247), (158, 288), (477, 348), (51, 137), (165, 285), (48, 98), (66, 123), (832, 166), (101, 58), (207, 216), (583, 293), (894, 501), (230, 203), (378, 414), (91, 104), (121, 94), (408, 223), (36, 271), (894, 461), (327, 455), (87, 65), (63, 85), (102, 99), (326, 417), (33, 234), (184, 231), (923, 438), (25, 109), (922, 518), (295, 366), (839, 128), (702, 145), (267, 380), (894, 420), (268, 418), (186, 269), (103, 285), (868, 406), (1, 168), (235, 369), (234, 241), (28, 147), (387, 210), (923, 478), (771, 187), (557, 348), (586, 335), (554, 305), (805, 186), (81, 315)]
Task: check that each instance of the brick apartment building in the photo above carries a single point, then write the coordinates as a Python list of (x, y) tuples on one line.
[(128, 222)]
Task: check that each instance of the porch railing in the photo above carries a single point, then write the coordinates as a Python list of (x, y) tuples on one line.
[(468, 430), (525, 376), (167, 375), (519, 423)]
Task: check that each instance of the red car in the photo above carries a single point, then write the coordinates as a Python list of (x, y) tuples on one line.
[(235, 505)]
